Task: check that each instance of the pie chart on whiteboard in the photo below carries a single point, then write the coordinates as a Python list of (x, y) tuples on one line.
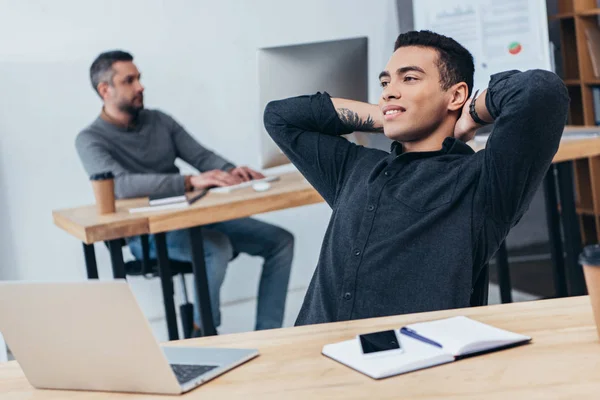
[(515, 48)]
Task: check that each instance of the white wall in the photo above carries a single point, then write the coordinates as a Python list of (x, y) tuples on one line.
[(199, 63)]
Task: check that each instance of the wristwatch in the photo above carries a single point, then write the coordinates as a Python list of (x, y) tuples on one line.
[(473, 112)]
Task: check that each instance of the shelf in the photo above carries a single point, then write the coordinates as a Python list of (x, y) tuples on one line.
[(585, 211), (591, 82), (572, 82), (588, 13), (566, 15), (562, 16)]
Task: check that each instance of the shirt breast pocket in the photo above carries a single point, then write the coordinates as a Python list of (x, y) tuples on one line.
[(426, 187)]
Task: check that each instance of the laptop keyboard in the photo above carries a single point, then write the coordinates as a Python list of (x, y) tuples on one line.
[(186, 373)]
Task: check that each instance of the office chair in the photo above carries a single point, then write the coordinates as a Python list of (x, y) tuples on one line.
[(148, 268)]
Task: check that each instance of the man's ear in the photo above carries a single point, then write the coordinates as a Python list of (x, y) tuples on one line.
[(459, 95), (103, 90)]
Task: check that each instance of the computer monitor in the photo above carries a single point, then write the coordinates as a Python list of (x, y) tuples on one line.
[(339, 67)]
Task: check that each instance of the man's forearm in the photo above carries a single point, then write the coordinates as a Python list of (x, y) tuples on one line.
[(142, 185), (359, 116)]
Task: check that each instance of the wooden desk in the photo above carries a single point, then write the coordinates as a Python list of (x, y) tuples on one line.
[(292, 190), (569, 149), (563, 361)]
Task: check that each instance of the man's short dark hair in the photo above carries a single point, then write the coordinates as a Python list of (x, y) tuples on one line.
[(455, 63), (101, 69)]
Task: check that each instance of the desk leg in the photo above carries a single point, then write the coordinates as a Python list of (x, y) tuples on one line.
[(556, 244), (90, 261), (503, 274), (201, 282), (166, 280), (116, 257), (571, 230)]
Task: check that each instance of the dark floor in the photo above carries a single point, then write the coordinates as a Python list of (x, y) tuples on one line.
[(530, 276)]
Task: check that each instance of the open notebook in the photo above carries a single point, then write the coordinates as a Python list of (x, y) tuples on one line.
[(453, 338)]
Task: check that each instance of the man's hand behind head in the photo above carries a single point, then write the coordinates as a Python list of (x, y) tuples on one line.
[(465, 127)]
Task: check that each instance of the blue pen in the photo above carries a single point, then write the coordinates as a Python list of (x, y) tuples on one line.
[(411, 333)]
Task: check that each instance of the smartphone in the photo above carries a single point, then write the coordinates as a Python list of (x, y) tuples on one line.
[(380, 343)]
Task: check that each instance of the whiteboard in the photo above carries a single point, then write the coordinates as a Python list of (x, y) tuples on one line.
[(501, 35)]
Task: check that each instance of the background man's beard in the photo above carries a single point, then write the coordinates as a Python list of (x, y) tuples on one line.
[(131, 109)]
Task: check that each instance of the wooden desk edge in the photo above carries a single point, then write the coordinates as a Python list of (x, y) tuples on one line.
[(164, 223), (98, 233), (68, 226), (569, 150), (577, 149)]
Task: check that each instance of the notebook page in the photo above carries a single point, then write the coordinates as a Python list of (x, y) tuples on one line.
[(461, 335)]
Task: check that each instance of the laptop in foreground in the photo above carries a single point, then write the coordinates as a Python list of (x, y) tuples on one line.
[(92, 335)]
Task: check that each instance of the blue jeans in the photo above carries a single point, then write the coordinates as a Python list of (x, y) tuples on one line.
[(224, 239)]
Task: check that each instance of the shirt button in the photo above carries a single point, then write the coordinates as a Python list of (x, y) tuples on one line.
[(348, 296), (371, 207), (357, 253), (387, 173)]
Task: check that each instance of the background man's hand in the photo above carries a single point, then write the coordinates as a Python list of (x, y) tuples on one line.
[(214, 178), (246, 174)]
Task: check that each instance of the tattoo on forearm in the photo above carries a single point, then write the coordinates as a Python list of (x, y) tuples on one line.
[(352, 120)]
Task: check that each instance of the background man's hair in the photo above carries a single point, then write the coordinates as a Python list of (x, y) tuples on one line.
[(455, 63), (101, 69)]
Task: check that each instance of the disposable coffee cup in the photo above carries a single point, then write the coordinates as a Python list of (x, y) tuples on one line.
[(590, 259), (104, 192)]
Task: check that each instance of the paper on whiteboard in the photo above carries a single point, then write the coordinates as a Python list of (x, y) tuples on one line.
[(511, 34)]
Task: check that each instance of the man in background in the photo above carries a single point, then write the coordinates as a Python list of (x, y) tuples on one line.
[(139, 146)]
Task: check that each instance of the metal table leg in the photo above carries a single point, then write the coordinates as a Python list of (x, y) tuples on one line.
[(556, 244), (503, 274), (201, 282), (116, 257), (571, 230), (90, 261), (166, 280)]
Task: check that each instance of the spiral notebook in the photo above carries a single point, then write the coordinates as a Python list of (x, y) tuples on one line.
[(425, 345)]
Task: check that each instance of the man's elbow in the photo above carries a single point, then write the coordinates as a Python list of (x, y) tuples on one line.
[(123, 189), (547, 90), (272, 118)]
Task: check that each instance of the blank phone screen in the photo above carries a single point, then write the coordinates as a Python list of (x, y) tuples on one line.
[(379, 341)]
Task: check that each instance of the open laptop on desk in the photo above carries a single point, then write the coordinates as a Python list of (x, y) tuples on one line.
[(93, 336)]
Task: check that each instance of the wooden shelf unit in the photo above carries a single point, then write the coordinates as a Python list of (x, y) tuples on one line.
[(573, 17)]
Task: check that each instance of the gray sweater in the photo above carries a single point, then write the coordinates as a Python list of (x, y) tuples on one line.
[(142, 158)]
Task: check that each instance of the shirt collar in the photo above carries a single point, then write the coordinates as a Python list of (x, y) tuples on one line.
[(449, 146), (127, 127)]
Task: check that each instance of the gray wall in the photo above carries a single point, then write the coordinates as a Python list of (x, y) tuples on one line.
[(199, 63)]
